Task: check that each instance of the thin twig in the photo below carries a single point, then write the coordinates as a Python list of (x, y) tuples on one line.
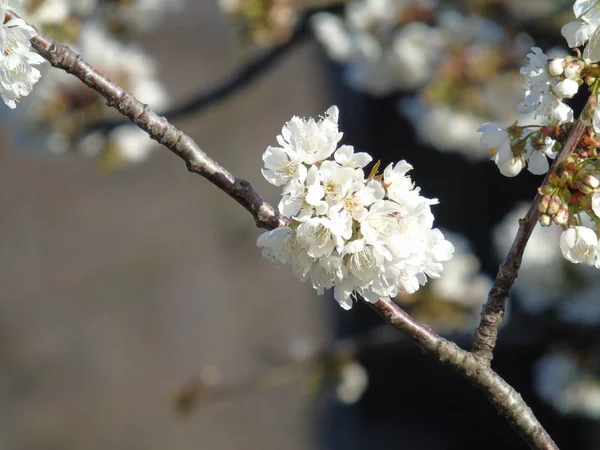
[(507, 401), (486, 334), (229, 84), (196, 392), (159, 129)]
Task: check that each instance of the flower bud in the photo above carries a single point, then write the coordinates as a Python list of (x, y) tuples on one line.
[(545, 190), (584, 188), (554, 204), (590, 180), (566, 88), (556, 66), (572, 159), (545, 220), (554, 180), (543, 206), (562, 216), (573, 70)]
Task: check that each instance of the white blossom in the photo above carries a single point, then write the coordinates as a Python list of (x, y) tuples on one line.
[(380, 223), (352, 383), (584, 31), (556, 66), (346, 157), (282, 166), (537, 159), (587, 8), (497, 140), (566, 88), (359, 197), (400, 188), (312, 141), (578, 245)]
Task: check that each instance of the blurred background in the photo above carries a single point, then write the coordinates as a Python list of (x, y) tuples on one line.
[(136, 310)]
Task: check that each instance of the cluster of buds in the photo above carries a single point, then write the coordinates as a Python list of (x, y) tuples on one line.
[(552, 209), (567, 74), (571, 194), (566, 70)]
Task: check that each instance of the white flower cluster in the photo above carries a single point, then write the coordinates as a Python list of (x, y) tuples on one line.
[(547, 83), (545, 86), (371, 236), (17, 74)]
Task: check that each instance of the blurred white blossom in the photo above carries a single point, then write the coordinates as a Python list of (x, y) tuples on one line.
[(61, 107), (563, 381), (353, 381), (381, 54), (452, 303)]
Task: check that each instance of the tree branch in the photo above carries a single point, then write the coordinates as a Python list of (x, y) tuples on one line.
[(507, 401), (159, 129), (486, 334)]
